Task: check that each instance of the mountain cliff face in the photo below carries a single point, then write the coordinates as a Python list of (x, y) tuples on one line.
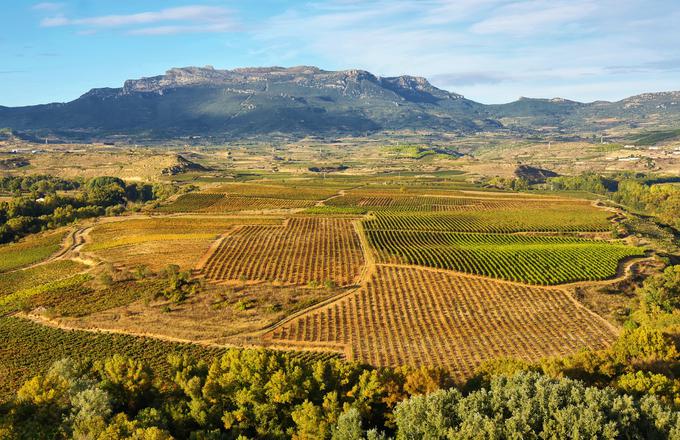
[(304, 100)]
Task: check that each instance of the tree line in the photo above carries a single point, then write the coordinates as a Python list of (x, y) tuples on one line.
[(44, 202)]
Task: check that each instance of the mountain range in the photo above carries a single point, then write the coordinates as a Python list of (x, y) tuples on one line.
[(300, 101)]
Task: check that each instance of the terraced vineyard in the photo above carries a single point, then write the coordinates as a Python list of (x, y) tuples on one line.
[(301, 251), (421, 317), (523, 258)]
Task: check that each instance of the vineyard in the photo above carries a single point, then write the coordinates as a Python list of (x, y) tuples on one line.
[(523, 258), (293, 191), (303, 250), (238, 203), (420, 317), (426, 202), (35, 276), (30, 250), (192, 202), (154, 242), (29, 349), (555, 219), (218, 203)]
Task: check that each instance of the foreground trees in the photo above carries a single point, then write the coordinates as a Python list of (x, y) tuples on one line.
[(529, 405), (263, 394)]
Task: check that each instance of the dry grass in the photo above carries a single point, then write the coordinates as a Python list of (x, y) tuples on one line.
[(158, 242), (217, 314), (437, 319)]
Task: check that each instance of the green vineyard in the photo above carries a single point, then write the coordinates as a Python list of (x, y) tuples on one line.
[(391, 202), (193, 202), (521, 258), (556, 219)]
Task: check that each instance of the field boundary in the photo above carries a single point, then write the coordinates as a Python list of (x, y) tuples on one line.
[(47, 322)]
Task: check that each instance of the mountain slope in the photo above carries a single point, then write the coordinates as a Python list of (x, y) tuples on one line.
[(300, 101), (244, 102)]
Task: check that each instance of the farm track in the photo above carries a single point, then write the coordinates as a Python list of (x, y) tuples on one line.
[(52, 323), (341, 193)]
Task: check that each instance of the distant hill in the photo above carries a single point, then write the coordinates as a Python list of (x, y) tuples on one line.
[(301, 101), (648, 109)]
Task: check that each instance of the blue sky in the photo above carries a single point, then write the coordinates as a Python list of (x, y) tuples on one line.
[(491, 51)]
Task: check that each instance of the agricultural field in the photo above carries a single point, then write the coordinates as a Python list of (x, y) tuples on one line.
[(217, 314), (221, 203), (388, 269), (155, 242), (542, 260), (30, 348), (294, 190), (17, 287), (566, 218), (238, 203), (234, 197), (30, 250), (422, 317), (192, 202), (304, 250), (424, 202)]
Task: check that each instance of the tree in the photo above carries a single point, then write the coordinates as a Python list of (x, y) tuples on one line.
[(430, 416), (661, 293), (127, 380), (348, 426), (310, 421)]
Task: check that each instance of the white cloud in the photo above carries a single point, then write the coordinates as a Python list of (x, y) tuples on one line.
[(47, 6), (192, 18), (484, 48)]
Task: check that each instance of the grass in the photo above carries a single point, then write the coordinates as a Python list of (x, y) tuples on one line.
[(30, 250)]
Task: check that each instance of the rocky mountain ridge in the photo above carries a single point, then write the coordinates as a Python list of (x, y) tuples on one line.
[(306, 100)]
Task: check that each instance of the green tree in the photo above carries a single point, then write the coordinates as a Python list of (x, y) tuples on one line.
[(661, 292), (349, 426), (127, 380)]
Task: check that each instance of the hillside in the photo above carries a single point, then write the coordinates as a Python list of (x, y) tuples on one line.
[(246, 102), (301, 101)]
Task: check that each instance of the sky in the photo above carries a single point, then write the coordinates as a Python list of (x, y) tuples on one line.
[(491, 51)]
